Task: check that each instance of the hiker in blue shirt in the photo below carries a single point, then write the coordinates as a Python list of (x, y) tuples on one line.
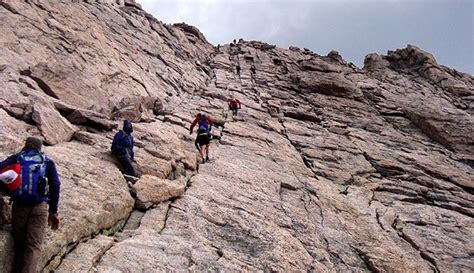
[(39, 187), (122, 148)]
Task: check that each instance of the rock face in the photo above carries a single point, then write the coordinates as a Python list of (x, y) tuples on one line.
[(328, 167)]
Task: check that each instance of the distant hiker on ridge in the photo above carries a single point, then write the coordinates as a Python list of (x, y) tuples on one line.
[(33, 183), (234, 105), (203, 134), (122, 148)]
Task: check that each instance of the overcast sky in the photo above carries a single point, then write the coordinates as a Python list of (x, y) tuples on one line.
[(355, 28)]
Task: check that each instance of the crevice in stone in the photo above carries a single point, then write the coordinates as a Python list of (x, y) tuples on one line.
[(165, 221), (335, 258), (372, 198), (9, 8), (384, 171), (423, 254), (440, 176), (142, 84), (379, 220), (423, 199), (97, 261), (73, 245), (366, 259), (41, 84), (68, 249), (345, 191), (24, 117)]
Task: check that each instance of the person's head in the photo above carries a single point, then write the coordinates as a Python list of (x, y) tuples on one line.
[(33, 143), (203, 116), (127, 126)]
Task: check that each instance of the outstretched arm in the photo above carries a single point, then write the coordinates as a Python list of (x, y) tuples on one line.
[(54, 187), (192, 125)]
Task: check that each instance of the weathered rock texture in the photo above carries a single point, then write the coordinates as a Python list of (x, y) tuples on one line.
[(328, 167)]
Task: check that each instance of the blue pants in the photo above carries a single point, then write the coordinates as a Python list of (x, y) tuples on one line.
[(127, 165)]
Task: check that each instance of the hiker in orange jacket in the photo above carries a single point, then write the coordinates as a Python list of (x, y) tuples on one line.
[(234, 105)]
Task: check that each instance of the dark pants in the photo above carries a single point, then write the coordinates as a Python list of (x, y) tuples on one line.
[(28, 229), (127, 165), (234, 109)]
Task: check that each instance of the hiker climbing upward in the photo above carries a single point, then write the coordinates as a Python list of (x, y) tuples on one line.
[(34, 186), (203, 134), (122, 148), (234, 105)]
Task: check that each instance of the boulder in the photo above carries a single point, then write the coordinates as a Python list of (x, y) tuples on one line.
[(54, 127), (151, 190)]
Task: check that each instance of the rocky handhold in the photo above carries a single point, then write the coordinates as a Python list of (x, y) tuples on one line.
[(158, 108), (54, 127), (134, 108), (327, 84), (334, 55), (374, 61), (133, 4), (150, 165), (191, 30), (316, 64), (152, 190), (92, 119), (301, 115)]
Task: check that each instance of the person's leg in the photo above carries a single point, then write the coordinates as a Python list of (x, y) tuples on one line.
[(207, 152), (36, 229), (201, 152), (199, 147), (127, 166), (20, 216), (234, 110)]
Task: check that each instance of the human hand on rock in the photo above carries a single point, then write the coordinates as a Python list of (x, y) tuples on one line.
[(53, 221)]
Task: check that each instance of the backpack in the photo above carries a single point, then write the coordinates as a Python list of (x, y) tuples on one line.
[(10, 177), (34, 183), (203, 128)]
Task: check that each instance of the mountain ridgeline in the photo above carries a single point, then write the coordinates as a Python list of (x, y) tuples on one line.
[(328, 167)]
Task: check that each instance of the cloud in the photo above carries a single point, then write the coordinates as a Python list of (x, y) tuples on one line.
[(354, 28)]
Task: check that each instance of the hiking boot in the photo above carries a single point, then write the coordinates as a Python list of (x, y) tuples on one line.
[(207, 158), (131, 179)]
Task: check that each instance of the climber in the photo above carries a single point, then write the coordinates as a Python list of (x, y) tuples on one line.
[(203, 134), (234, 105), (35, 202), (122, 148), (252, 69)]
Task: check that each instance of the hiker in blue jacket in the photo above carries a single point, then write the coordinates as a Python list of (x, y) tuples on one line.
[(39, 187), (122, 148), (203, 134)]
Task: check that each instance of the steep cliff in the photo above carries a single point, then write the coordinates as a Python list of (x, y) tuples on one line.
[(328, 167)]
